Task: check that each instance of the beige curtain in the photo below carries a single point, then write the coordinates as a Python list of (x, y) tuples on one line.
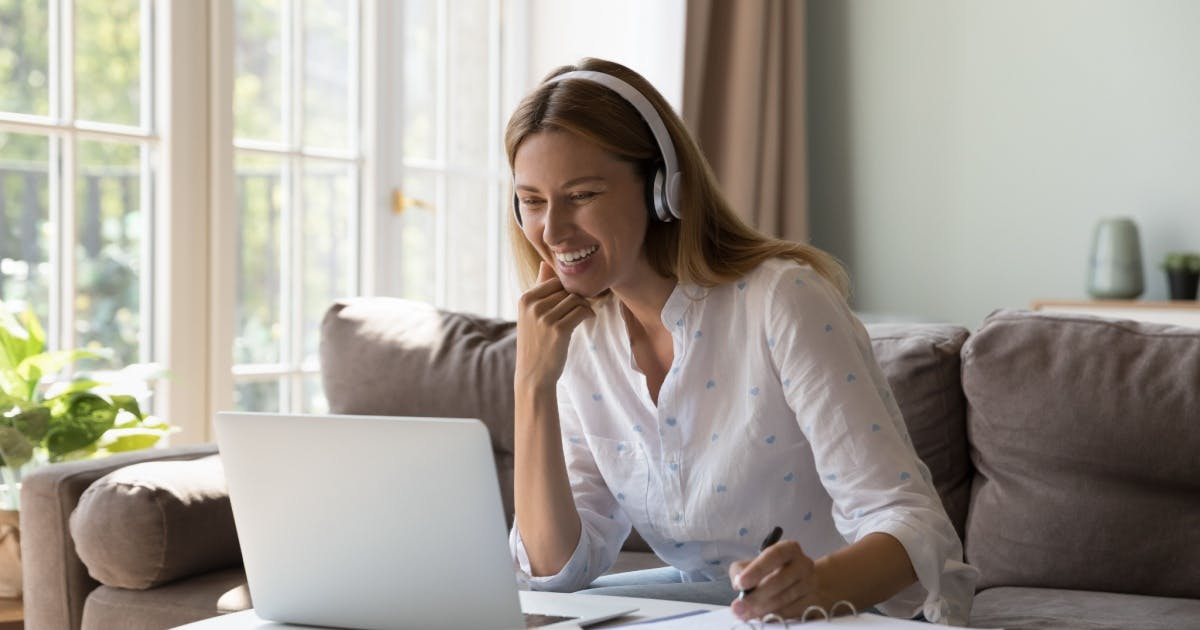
[(743, 98)]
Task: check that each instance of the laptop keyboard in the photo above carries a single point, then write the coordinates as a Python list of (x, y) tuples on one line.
[(534, 620)]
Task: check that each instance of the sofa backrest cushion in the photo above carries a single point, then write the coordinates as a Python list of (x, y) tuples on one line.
[(147, 524), (386, 356), (1085, 437), (922, 365)]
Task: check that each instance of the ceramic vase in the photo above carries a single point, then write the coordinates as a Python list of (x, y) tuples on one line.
[(1115, 264)]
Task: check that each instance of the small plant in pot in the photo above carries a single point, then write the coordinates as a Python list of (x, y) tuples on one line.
[(44, 419), (1183, 274)]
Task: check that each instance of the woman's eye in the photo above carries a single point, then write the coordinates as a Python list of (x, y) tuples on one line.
[(530, 202), (582, 196)]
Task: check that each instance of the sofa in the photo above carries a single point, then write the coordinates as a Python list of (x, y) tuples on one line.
[(1066, 450)]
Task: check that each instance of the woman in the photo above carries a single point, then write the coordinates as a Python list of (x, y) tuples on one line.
[(683, 374)]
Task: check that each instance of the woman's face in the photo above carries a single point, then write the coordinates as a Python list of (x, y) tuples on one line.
[(583, 210)]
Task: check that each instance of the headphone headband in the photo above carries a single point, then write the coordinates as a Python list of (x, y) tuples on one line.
[(666, 183)]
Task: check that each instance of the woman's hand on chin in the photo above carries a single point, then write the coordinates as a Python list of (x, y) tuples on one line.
[(546, 316)]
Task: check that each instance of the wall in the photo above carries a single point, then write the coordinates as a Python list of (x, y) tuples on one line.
[(646, 36), (962, 152)]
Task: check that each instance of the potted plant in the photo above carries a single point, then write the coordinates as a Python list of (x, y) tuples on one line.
[(1183, 274), (43, 422)]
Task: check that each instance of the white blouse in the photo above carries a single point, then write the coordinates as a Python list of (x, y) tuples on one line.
[(774, 412)]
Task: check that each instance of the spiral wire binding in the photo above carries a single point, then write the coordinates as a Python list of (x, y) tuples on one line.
[(759, 624)]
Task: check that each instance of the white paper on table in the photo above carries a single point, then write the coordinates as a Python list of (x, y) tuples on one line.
[(724, 619)]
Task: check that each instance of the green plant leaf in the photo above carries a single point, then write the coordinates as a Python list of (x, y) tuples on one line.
[(12, 341), (16, 448), (87, 452), (32, 368), (36, 340), (131, 439), (62, 388), (85, 419), (12, 384), (33, 423), (128, 403)]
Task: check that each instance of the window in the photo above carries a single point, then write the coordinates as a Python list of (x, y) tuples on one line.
[(78, 162), (297, 162), (451, 81)]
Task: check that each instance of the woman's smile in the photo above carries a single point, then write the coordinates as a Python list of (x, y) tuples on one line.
[(575, 262)]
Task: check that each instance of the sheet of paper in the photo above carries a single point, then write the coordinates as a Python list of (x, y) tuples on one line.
[(724, 619)]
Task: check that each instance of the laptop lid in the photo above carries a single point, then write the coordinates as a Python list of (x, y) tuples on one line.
[(369, 522)]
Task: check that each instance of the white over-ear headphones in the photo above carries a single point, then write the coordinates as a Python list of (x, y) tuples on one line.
[(663, 186)]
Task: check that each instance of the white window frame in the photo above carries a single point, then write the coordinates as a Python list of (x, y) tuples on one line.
[(223, 375), (162, 199), (506, 76)]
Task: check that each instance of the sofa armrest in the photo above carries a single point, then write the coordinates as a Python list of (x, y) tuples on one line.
[(56, 583)]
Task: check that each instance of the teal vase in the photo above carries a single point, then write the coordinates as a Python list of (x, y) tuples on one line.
[(1115, 264)]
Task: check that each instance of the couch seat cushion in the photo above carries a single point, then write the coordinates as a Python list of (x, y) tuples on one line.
[(1085, 436), (167, 606), (1019, 608), (147, 524)]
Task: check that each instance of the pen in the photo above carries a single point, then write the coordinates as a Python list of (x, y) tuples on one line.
[(771, 539)]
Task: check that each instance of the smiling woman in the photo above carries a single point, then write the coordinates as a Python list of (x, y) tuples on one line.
[(680, 373)]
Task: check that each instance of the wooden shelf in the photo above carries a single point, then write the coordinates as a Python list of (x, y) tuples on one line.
[(1186, 305), (1179, 312)]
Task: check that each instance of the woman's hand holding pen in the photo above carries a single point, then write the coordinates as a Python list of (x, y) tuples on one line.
[(546, 316), (782, 579)]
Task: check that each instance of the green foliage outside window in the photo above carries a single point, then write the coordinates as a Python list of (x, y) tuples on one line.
[(108, 48)]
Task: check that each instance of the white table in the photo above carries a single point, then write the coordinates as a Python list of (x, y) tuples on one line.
[(647, 609)]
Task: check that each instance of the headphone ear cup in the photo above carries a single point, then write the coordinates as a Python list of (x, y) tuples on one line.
[(656, 195), (517, 209)]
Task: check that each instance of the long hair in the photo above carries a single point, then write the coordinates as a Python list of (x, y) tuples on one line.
[(709, 245)]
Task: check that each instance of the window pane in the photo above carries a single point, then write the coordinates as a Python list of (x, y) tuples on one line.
[(468, 269), (24, 55), (108, 46), (314, 395), (258, 70), (468, 82), (414, 238), (108, 249), (419, 91), (256, 396), (329, 81), (329, 243), (25, 223), (259, 187)]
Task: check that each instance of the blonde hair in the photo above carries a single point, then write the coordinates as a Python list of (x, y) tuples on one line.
[(709, 245)]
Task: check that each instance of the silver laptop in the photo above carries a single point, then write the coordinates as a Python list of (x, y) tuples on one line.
[(377, 523)]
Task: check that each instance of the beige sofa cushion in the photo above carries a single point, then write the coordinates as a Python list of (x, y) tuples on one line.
[(922, 365), (150, 523), (390, 357), (1085, 435)]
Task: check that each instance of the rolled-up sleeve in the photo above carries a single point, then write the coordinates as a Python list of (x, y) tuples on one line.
[(604, 525), (860, 443)]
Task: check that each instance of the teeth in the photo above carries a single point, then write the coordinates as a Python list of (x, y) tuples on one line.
[(571, 257)]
